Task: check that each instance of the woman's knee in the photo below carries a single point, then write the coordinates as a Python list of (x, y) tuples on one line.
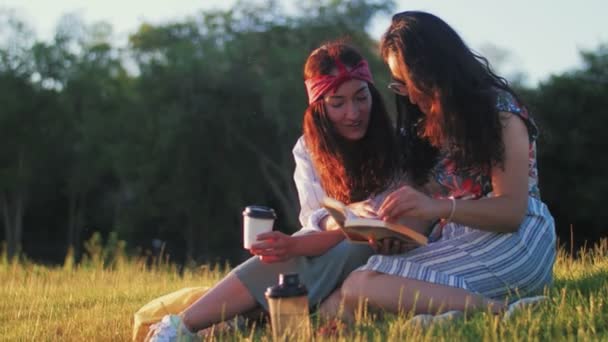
[(356, 286)]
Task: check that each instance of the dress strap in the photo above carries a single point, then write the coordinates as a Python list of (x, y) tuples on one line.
[(506, 102)]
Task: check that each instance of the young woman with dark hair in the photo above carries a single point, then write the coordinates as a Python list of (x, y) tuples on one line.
[(472, 143)]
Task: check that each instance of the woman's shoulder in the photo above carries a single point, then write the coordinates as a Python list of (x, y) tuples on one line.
[(506, 102), (300, 152), (300, 146)]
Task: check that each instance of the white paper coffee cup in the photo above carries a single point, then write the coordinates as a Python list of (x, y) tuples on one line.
[(256, 220)]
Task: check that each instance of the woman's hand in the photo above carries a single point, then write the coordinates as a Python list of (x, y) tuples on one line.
[(391, 246), (274, 247), (407, 201)]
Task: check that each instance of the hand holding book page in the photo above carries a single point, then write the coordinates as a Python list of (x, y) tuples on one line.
[(364, 229)]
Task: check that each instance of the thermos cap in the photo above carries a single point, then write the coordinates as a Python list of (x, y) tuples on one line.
[(289, 286), (259, 211)]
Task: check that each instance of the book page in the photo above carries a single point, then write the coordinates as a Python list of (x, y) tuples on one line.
[(364, 234), (349, 213), (337, 210), (379, 229), (364, 209)]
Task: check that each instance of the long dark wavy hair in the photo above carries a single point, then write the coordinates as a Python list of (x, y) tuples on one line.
[(466, 122), (349, 171)]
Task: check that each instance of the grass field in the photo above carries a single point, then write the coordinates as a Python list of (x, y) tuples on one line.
[(95, 301)]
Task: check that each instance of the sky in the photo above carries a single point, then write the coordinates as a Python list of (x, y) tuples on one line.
[(540, 37)]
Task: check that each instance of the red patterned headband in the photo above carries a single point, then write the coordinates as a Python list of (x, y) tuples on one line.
[(318, 86)]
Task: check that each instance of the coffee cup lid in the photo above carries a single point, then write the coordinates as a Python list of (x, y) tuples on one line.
[(259, 211), (289, 286)]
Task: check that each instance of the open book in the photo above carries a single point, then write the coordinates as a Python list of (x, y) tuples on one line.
[(359, 229)]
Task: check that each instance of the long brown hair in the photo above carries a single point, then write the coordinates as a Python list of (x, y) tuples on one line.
[(465, 120), (349, 171)]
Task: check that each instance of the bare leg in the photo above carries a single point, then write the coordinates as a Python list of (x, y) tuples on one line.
[(333, 306), (397, 294), (225, 300)]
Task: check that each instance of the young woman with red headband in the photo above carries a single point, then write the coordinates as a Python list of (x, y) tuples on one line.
[(348, 152)]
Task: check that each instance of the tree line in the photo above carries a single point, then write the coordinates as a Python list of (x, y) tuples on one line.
[(170, 136)]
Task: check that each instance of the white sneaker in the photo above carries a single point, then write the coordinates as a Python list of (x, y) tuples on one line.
[(170, 329), (527, 302), (426, 320)]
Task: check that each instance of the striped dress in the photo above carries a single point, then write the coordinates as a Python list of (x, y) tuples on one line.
[(495, 265)]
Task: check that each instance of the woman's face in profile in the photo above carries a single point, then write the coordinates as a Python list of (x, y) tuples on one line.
[(400, 75), (349, 108)]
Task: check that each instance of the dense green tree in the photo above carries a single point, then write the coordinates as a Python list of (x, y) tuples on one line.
[(571, 109), (92, 93), (171, 136), (25, 118), (227, 86)]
